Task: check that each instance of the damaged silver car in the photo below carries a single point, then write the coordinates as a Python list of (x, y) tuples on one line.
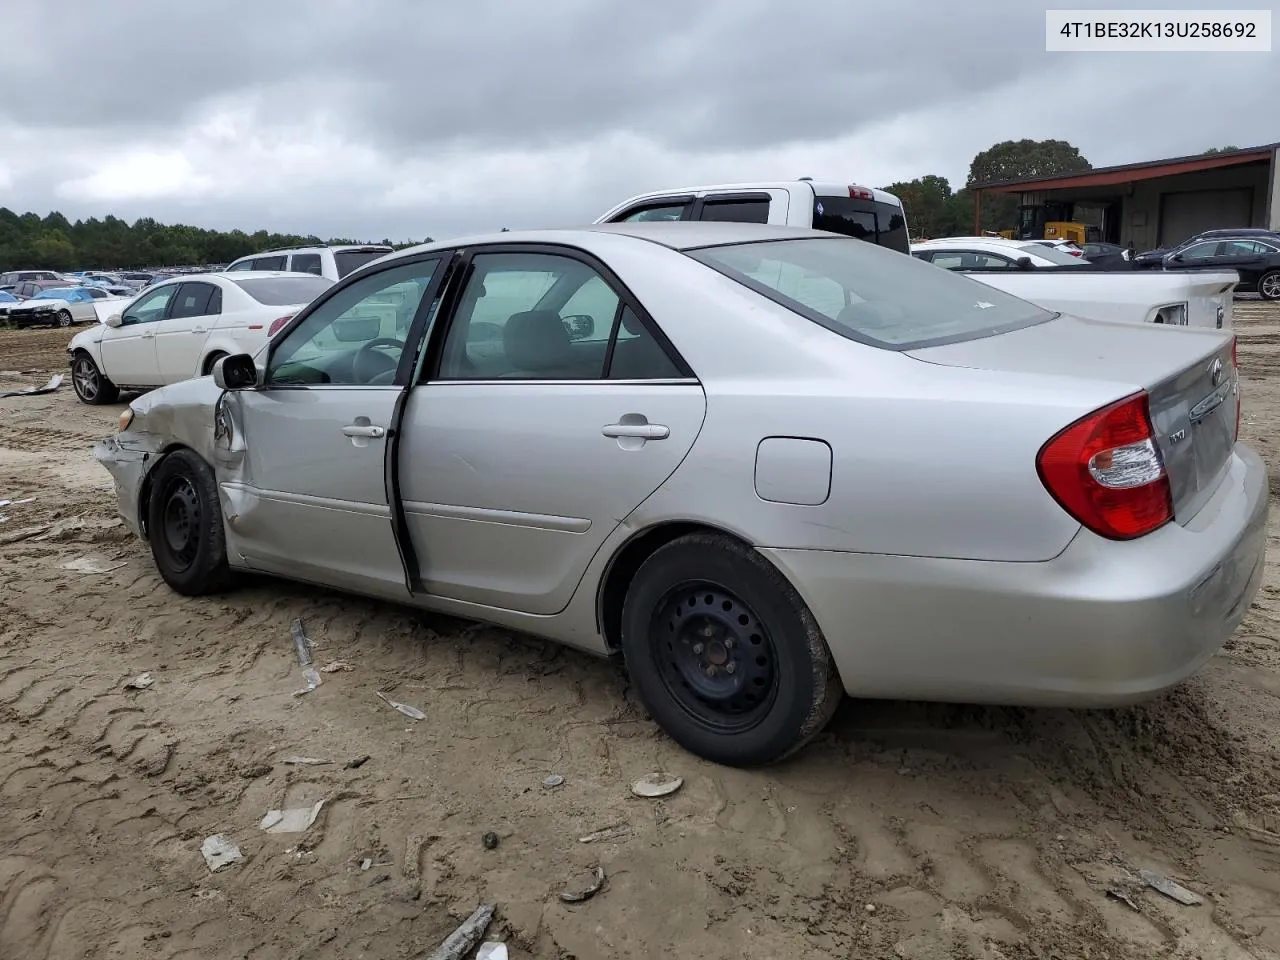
[(766, 465)]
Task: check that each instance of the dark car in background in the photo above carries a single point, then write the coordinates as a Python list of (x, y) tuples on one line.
[(1255, 257), (1154, 259)]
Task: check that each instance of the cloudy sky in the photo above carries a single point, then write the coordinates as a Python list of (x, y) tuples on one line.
[(408, 118)]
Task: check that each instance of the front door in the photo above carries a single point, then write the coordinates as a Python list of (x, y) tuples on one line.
[(129, 350), (552, 410), (314, 503), (180, 337)]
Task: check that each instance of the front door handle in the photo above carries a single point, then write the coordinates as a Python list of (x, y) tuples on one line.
[(199, 330), (147, 335), (640, 431), (364, 430)]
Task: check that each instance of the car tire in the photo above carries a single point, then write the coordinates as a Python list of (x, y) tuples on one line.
[(210, 361), (1269, 285), (741, 682), (90, 383), (184, 526), (64, 318)]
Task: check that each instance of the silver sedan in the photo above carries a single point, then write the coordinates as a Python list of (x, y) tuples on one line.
[(765, 465)]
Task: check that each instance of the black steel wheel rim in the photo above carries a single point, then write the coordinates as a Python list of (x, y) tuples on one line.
[(180, 521), (715, 656)]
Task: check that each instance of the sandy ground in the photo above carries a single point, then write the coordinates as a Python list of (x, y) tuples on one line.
[(907, 830)]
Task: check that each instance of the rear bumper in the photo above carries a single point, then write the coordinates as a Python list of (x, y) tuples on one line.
[(1102, 624)]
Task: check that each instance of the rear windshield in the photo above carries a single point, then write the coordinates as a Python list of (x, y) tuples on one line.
[(348, 260), (1052, 254), (881, 223), (870, 294), (285, 291)]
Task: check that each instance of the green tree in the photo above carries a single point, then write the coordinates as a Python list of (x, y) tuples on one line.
[(1024, 159), (1212, 150)]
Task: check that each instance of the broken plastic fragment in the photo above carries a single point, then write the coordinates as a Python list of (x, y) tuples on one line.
[(333, 666), (413, 713), (555, 780), (459, 943), (1172, 890), (91, 565), (140, 682), (302, 646), (577, 896), (656, 785), (615, 832), (305, 761), (492, 950), (16, 503), (218, 851), (54, 383), (291, 820)]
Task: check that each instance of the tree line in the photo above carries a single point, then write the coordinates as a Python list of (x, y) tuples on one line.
[(52, 242), (933, 207)]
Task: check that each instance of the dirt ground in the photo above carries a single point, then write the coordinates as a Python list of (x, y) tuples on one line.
[(907, 830)]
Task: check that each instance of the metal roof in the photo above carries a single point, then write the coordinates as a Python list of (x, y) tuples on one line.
[(1128, 172)]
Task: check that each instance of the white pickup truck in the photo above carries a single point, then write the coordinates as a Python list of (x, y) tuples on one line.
[(1194, 299)]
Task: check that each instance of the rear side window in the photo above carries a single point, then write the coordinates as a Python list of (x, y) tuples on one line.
[(883, 224), (269, 263), (871, 294), (349, 260), (306, 263), (192, 300), (739, 210), (284, 291)]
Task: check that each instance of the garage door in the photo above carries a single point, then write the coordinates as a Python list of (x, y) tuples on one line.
[(1185, 214)]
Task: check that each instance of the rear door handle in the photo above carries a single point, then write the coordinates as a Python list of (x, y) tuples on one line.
[(147, 335), (199, 330), (641, 431), (364, 430)]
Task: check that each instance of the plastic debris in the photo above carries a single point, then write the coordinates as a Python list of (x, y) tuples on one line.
[(54, 383), (356, 763), (140, 682), (656, 785), (305, 761), (334, 666), (413, 713), (615, 832), (492, 950), (218, 851), (577, 896), (1172, 890), (92, 565), (490, 840), (459, 943), (366, 863), (1115, 893), (302, 646), (16, 503), (555, 780), (291, 820)]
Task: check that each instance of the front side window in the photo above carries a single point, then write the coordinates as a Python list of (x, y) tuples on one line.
[(659, 211), (869, 293), (150, 307), (1201, 251), (357, 336), (269, 263), (242, 265)]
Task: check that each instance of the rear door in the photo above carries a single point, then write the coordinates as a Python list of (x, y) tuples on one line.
[(550, 407), (129, 350), (180, 337)]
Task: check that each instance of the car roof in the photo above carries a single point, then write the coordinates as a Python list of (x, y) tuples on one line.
[(674, 234)]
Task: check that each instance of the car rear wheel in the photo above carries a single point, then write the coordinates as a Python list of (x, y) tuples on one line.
[(184, 526), (64, 318), (1269, 285), (90, 384), (210, 361), (724, 654)]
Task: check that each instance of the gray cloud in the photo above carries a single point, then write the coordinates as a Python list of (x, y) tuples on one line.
[(401, 118)]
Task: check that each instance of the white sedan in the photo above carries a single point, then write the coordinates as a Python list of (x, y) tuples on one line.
[(178, 329), (64, 306)]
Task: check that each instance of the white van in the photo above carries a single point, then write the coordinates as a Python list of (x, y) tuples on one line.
[(333, 263)]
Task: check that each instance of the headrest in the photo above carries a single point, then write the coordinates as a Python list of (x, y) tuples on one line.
[(536, 340)]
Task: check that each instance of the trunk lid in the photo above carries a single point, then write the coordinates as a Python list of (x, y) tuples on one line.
[(1187, 373)]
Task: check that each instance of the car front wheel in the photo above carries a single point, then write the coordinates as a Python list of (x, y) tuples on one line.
[(90, 384), (1269, 285), (724, 653), (184, 526), (64, 318)]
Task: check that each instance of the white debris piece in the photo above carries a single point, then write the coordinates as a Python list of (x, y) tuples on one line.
[(218, 851), (291, 820)]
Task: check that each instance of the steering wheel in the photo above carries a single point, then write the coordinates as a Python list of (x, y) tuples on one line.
[(364, 360)]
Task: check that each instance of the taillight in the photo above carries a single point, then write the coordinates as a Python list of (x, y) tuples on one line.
[(277, 324), (1106, 471), (860, 193)]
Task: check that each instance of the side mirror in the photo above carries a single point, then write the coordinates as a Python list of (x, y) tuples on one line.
[(114, 320), (1024, 263), (579, 326), (1176, 258), (235, 372)]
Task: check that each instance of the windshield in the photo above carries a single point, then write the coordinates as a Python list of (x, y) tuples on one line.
[(870, 294), (285, 291), (348, 260), (1055, 256)]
